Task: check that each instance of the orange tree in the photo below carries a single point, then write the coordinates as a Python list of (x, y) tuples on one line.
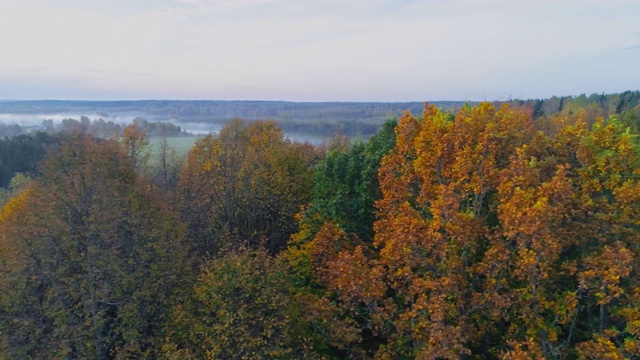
[(492, 239)]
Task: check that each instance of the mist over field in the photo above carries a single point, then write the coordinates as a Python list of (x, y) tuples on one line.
[(37, 119), (36, 122), (300, 121)]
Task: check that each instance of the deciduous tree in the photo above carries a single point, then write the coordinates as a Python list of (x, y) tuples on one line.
[(242, 308), (93, 261), (243, 187)]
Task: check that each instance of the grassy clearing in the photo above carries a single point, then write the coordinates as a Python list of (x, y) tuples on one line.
[(181, 144)]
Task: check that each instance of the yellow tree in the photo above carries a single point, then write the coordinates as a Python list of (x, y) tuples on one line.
[(527, 269), (244, 186), (135, 141)]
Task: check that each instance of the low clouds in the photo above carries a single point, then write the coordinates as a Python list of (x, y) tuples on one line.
[(314, 50)]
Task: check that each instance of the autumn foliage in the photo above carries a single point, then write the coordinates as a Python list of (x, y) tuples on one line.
[(493, 239), (484, 234), (243, 187), (90, 258)]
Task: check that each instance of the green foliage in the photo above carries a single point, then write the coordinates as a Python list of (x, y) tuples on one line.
[(346, 186), (157, 128), (339, 218), (22, 154), (625, 105)]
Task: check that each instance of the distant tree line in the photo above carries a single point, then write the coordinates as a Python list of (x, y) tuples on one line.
[(22, 148), (625, 105), (97, 127), (204, 110), (319, 118)]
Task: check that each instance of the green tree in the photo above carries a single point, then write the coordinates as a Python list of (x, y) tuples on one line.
[(22, 154), (338, 220), (346, 184)]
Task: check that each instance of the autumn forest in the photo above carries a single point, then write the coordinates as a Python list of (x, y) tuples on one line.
[(489, 231)]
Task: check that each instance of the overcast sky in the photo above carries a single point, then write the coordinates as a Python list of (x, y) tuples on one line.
[(324, 50)]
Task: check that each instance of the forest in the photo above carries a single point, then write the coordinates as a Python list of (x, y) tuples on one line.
[(318, 118), (486, 231)]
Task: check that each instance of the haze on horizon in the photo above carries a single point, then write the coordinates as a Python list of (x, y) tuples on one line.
[(331, 50)]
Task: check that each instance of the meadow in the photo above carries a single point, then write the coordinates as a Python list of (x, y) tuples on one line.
[(181, 144)]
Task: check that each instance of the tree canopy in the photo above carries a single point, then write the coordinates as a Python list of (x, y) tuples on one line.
[(491, 232)]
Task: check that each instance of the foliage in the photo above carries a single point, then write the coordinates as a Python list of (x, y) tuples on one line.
[(243, 187), (491, 240), (165, 165), (136, 143), (494, 232), (18, 183), (90, 258), (242, 308), (21, 154), (625, 106), (345, 186)]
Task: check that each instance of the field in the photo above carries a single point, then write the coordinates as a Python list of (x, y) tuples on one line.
[(181, 144)]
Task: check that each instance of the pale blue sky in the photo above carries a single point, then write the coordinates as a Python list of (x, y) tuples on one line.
[(305, 50)]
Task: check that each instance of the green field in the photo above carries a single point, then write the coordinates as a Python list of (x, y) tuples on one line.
[(181, 144)]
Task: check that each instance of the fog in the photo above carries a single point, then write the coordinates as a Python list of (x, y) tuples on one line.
[(35, 121)]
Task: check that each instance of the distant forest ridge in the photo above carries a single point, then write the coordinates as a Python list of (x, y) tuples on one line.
[(321, 119), (206, 110), (318, 118)]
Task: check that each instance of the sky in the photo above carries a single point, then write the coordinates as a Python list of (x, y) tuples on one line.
[(317, 50)]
